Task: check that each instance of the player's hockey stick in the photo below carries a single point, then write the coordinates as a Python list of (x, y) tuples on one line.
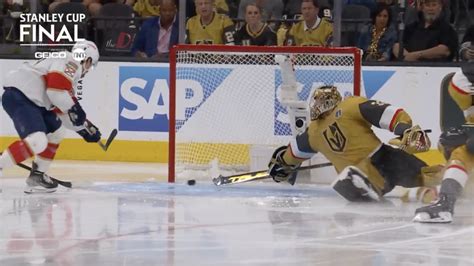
[(257, 175), (111, 137), (60, 182)]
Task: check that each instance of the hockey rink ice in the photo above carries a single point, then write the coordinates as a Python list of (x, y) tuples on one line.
[(123, 214)]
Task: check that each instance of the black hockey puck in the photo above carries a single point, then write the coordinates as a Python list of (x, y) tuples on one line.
[(191, 182)]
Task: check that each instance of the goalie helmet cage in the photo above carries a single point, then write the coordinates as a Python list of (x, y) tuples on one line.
[(224, 99)]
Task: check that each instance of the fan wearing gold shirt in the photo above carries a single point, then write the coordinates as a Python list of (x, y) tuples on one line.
[(312, 30), (209, 27)]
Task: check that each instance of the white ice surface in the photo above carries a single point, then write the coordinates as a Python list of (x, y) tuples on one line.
[(155, 223)]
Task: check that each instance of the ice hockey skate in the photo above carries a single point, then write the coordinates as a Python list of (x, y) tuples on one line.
[(39, 182), (439, 212)]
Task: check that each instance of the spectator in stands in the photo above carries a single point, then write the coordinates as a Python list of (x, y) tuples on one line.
[(221, 7), (271, 9), (378, 39), (292, 9), (467, 46), (209, 27), (429, 39), (254, 31), (158, 34), (313, 30), (147, 8)]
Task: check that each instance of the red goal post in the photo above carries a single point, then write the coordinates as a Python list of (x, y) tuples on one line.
[(223, 100)]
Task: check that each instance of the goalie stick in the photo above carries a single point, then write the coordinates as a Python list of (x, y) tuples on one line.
[(263, 174), (257, 175)]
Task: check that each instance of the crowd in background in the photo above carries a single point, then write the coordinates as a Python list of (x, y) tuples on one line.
[(435, 30)]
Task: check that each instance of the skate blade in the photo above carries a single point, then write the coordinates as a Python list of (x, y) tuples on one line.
[(423, 217), (38, 190)]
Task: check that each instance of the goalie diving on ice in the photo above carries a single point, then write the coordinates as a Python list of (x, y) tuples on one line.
[(367, 169)]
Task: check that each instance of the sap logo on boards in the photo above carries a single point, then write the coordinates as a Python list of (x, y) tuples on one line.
[(143, 103), (144, 96)]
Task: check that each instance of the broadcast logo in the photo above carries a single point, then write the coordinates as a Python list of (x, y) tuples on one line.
[(51, 34)]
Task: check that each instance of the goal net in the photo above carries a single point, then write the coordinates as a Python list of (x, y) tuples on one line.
[(225, 112)]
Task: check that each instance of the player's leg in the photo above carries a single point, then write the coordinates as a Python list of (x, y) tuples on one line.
[(412, 178), (29, 123), (44, 159), (454, 179), (354, 184), (398, 167), (55, 134)]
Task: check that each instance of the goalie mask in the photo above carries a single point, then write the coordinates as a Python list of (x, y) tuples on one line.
[(323, 100)]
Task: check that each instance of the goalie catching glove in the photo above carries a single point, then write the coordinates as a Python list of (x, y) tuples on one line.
[(278, 169), (413, 140), (90, 133)]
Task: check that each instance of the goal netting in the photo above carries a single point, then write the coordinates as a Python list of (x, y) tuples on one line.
[(225, 113)]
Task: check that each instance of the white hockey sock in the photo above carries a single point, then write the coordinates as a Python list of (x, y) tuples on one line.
[(43, 164)]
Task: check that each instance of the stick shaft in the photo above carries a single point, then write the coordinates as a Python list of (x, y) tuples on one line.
[(62, 183), (257, 175)]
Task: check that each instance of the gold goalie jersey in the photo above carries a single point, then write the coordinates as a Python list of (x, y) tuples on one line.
[(345, 136)]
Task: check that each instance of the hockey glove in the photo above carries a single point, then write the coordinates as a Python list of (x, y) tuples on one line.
[(450, 140), (90, 133), (469, 129), (77, 115), (413, 140), (278, 169)]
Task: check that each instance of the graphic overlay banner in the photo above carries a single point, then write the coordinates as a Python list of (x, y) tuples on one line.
[(50, 35)]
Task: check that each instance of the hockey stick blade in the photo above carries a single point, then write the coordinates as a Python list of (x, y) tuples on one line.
[(111, 137), (60, 182), (257, 175)]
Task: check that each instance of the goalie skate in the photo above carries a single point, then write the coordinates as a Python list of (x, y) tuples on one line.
[(439, 212), (39, 182)]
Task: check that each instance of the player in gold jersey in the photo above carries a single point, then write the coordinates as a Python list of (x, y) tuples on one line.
[(341, 131), (457, 145), (313, 30), (209, 27)]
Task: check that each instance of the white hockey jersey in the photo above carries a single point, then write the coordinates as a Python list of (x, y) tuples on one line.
[(48, 82)]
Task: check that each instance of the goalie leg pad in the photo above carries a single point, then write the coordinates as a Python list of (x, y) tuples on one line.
[(353, 185)]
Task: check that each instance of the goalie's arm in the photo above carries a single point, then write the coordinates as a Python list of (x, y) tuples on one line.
[(299, 149), (385, 116), (286, 159)]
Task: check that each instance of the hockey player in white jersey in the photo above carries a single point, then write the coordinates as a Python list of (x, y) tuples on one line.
[(35, 96)]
